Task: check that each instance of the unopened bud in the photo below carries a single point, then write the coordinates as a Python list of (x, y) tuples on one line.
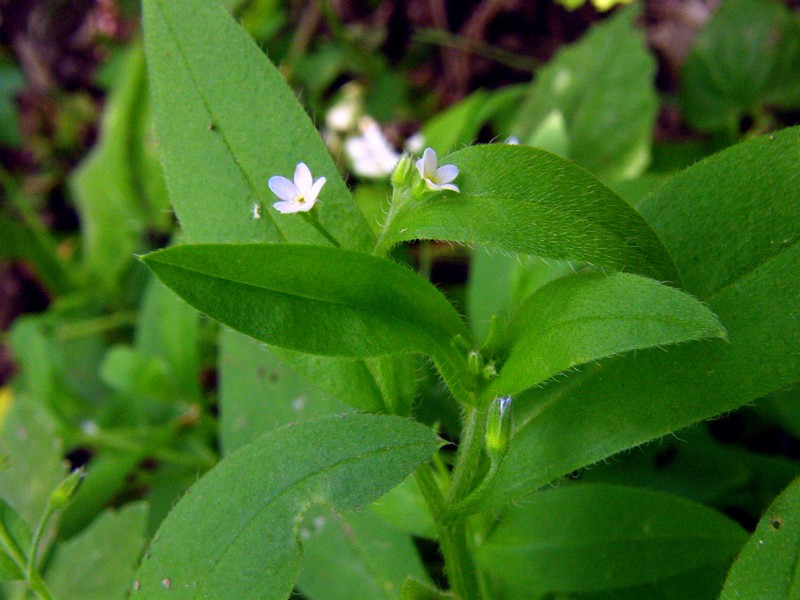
[(402, 176), (475, 362), (62, 495), (498, 427)]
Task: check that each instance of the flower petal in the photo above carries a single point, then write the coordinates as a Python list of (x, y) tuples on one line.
[(287, 207), (429, 162), (315, 189), (302, 178), (283, 188), (437, 187), (446, 174)]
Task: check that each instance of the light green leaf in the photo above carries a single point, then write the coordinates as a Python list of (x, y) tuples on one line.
[(355, 557), (603, 85), (258, 392), (595, 537), (15, 539), (34, 458), (135, 374), (105, 185), (732, 223), (768, 564), (582, 318), (456, 126), (746, 57), (253, 498), (525, 200), (99, 564), (168, 329), (498, 283), (405, 509), (227, 122)]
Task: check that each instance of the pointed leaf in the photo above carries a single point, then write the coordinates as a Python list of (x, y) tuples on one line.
[(310, 298), (254, 497), (15, 539), (582, 318), (526, 200), (582, 538), (768, 564), (227, 122), (732, 222), (604, 86)]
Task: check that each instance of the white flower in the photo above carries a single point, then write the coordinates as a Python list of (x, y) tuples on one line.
[(513, 141), (371, 155), (415, 143), (436, 179), (299, 196)]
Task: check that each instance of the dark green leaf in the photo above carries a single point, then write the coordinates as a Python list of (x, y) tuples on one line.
[(314, 299), (525, 200), (603, 87), (258, 392), (100, 563), (746, 57), (355, 557), (768, 564), (732, 222), (253, 498), (582, 318), (595, 537)]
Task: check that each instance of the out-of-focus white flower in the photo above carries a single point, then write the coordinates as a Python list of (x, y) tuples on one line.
[(297, 196), (371, 155), (512, 140), (435, 177), (415, 143), (343, 115)]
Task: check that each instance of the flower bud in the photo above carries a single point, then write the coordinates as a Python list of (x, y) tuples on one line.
[(498, 427), (62, 495), (475, 362), (403, 173)]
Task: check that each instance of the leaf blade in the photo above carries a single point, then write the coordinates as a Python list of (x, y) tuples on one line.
[(205, 544)]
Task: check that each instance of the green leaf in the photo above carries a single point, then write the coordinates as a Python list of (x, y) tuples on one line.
[(11, 83), (405, 509), (99, 564), (355, 557), (253, 498), (105, 185), (135, 374), (744, 58), (29, 441), (583, 318), (583, 538), (767, 567), (15, 539), (314, 299), (498, 283), (525, 200), (732, 223), (456, 126), (22, 243), (604, 87), (168, 329), (227, 122), (259, 393)]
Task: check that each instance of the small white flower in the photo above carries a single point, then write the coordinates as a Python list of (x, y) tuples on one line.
[(371, 155), (299, 196), (436, 179), (513, 141), (415, 143)]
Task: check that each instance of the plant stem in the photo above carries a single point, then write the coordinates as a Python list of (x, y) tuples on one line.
[(32, 576), (459, 565), (469, 454)]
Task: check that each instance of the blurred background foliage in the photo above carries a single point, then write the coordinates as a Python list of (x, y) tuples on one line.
[(101, 366)]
